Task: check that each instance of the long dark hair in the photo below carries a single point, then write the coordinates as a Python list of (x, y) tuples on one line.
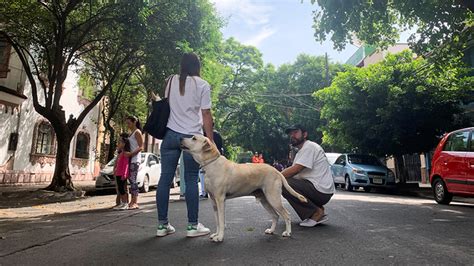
[(124, 139), (135, 120), (190, 66)]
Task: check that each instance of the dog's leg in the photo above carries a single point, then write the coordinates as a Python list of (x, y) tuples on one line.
[(216, 216), (275, 201), (272, 212), (220, 202)]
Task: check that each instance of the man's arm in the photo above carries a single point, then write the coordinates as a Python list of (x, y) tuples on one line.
[(292, 170), (207, 121)]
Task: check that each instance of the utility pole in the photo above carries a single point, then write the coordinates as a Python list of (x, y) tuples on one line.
[(327, 69)]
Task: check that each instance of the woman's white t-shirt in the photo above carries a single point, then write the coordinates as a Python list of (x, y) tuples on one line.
[(185, 110)]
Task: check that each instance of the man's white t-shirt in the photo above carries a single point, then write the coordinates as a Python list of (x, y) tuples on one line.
[(317, 168), (185, 110)]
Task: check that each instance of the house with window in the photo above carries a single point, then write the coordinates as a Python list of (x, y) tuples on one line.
[(27, 140)]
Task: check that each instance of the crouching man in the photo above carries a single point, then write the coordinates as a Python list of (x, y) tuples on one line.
[(310, 175)]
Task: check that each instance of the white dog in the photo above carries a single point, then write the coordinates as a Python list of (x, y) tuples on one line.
[(225, 179)]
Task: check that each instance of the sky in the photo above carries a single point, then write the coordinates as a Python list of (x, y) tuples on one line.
[(280, 29)]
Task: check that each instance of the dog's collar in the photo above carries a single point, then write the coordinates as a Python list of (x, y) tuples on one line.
[(210, 161)]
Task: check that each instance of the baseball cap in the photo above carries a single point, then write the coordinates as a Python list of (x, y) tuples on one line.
[(295, 127)]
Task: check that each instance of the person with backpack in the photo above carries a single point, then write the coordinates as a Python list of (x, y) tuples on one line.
[(189, 98)]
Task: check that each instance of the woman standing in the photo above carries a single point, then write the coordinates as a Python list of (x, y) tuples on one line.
[(136, 146), (190, 111)]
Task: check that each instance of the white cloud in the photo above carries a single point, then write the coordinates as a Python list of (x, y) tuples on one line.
[(251, 13), (262, 35), (253, 16)]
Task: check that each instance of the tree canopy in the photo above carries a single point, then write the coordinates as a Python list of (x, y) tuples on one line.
[(437, 23), (395, 107)]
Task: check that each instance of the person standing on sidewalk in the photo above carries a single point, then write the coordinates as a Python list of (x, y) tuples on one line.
[(136, 146), (310, 175), (121, 171), (190, 111)]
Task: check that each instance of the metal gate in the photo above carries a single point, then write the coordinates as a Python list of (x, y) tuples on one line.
[(412, 167)]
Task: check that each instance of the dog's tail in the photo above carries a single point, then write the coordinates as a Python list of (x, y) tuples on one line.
[(291, 190)]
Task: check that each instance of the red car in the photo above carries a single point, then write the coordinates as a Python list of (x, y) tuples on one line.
[(452, 167)]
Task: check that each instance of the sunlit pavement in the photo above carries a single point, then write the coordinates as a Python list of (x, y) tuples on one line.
[(364, 228)]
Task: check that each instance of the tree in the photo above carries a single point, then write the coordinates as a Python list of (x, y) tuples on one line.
[(256, 102), (438, 23), (399, 106), (50, 37)]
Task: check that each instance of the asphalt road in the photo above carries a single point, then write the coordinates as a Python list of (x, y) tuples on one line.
[(364, 228)]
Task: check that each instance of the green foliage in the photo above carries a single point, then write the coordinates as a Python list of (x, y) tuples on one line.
[(176, 27), (395, 107), (379, 22), (256, 102), (87, 85)]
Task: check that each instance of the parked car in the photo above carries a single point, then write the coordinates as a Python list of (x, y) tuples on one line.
[(360, 170), (149, 173), (452, 166), (332, 157)]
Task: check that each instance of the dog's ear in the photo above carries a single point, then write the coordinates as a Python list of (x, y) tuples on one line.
[(207, 145)]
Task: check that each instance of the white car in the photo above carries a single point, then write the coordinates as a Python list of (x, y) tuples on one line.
[(149, 172)]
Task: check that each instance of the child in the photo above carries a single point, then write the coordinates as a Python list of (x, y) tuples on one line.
[(121, 171)]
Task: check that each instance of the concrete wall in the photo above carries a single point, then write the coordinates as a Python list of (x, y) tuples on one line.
[(380, 55)]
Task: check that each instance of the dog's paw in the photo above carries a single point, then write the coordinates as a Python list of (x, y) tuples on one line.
[(286, 234), (269, 231), (212, 235), (217, 238)]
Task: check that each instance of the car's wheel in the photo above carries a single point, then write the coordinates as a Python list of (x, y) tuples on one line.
[(348, 185), (367, 189), (441, 194), (146, 184)]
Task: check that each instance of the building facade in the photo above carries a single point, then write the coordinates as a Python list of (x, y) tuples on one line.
[(27, 140)]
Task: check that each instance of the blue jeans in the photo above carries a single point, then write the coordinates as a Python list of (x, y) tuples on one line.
[(170, 153)]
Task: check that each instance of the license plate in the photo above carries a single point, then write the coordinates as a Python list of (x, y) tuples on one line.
[(377, 180)]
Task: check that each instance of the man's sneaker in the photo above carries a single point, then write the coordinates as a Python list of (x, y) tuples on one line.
[(164, 230), (308, 223), (197, 230)]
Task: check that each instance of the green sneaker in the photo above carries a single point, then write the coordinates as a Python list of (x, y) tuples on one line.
[(197, 230), (164, 230)]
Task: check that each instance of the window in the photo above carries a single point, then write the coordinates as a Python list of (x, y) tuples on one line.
[(5, 49), (44, 139), (82, 146), (364, 159), (152, 158), (457, 141), (472, 140), (12, 143), (341, 160)]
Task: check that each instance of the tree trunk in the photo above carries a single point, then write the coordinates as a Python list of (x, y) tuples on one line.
[(112, 145), (62, 177)]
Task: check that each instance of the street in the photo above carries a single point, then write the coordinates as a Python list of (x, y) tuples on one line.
[(364, 228)]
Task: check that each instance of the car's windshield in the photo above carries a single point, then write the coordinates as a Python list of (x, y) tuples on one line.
[(332, 158), (112, 162), (364, 159)]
